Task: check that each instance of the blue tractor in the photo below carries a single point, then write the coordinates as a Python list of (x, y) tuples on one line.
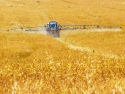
[(53, 29)]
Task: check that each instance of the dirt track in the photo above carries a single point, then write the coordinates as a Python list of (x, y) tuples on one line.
[(87, 49)]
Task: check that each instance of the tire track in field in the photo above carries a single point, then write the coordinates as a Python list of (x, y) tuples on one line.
[(87, 49)]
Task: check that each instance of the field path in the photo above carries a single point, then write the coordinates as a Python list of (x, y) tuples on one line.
[(87, 49)]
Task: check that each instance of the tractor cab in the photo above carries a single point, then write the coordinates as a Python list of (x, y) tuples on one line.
[(53, 29), (53, 25)]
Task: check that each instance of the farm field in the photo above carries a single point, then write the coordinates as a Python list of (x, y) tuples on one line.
[(36, 65), (79, 62), (21, 13)]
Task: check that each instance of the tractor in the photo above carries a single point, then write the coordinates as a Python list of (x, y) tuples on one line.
[(53, 29)]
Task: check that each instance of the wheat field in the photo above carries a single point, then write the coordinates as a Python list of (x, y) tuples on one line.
[(78, 62)]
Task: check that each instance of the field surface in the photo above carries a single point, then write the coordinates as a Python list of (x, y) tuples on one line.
[(79, 62)]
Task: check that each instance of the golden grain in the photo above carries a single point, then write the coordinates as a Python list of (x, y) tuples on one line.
[(77, 63)]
